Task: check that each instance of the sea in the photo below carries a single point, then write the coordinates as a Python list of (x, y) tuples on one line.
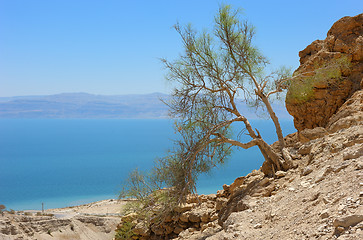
[(67, 162)]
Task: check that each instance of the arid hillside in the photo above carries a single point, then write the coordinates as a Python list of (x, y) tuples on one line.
[(321, 196)]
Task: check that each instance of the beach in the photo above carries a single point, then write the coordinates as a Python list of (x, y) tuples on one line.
[(96, 220)]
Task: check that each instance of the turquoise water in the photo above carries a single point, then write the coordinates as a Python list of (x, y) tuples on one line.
[(65, 162)]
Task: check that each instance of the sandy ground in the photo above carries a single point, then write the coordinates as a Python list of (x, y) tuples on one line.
[(93, 221), (108, 207)]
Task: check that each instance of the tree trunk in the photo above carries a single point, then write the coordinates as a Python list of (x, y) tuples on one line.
[(275, 121)]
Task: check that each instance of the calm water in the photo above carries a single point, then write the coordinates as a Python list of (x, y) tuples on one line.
[(64, 162)]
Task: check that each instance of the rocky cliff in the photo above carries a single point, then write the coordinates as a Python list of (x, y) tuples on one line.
[(319, 199), (344, 39)]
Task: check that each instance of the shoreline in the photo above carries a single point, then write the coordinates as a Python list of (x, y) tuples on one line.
[(106, 207), (95, 220)]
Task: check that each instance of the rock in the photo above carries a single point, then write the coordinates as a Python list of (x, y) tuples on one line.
[(178, 230), (348, 221), (307, 135), (258, 225), (129, 217), (141, 229), (280, 174), (264, 182), (220, 203), (157, 229), (184, 207), (236, 184), (307, 170), (340, 167), (194, 217), (305, 149), (343, 39), (326, 200), (353, 153), (184, 217), (324, 214), (340, 229), (323, 173), (204, 217), (315, 196)]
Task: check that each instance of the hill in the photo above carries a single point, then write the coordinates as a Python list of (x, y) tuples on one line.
[(84, 105)]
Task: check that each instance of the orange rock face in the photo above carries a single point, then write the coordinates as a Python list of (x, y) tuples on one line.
[(344, 39)]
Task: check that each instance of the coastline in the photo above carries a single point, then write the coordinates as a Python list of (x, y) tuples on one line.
[(107, 207), (95, 220)]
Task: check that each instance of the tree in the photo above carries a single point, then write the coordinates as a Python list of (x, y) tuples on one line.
[(214, 73), (214, 70)]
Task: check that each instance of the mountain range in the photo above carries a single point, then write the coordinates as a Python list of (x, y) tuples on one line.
[(85, 105)]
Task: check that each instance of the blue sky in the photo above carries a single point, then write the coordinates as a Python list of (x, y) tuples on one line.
[(114, 46)]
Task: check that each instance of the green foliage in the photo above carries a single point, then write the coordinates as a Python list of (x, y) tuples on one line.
[(150, 198), (124, 231), (328, 74)]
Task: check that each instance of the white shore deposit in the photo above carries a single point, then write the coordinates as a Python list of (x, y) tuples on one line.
[(96, 220)]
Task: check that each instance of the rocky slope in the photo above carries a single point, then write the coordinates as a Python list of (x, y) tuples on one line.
[(322, 197)]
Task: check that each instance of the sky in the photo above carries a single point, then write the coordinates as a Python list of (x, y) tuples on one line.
[(114, 46)]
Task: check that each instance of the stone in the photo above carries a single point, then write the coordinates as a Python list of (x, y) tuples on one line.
[(353, 154), (184, 207), (326, 200), (184, 217), (141, 229), (305, 149), (307, 170), (204, 217), (194, 217), (178, 230), (340, 167), (220, 203), (315, 196), (348, 221), (324, 214), (307, 135), (258, 225), (323, 173), (280, 174)]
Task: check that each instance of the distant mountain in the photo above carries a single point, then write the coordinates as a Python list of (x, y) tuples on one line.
[(84, 105)]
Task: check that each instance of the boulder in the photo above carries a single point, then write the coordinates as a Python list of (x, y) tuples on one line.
[(344, 39), (348, 221)]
